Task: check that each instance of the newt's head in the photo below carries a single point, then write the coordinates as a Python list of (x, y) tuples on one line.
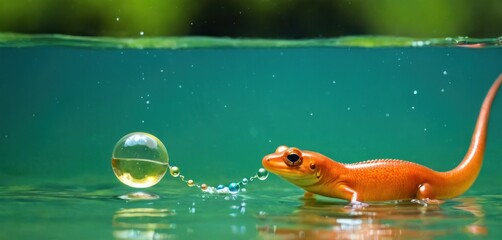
[(302, 168)]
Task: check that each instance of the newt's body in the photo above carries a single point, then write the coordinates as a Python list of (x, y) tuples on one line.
[(383, 179)]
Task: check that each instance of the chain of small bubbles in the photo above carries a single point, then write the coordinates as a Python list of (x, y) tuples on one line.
[(231, 188)]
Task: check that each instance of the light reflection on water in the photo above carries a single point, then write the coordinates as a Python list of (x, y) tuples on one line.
[(261, 213), (312, 219), (328, 220)]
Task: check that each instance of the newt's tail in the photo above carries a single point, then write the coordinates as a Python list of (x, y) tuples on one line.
[(463, 176)]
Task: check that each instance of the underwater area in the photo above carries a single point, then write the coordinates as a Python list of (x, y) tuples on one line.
[(219, 106)]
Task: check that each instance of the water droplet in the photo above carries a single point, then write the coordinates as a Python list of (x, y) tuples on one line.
[(334, 81), (387, 115), (348, 108), (141, 33), (147, 101), (262, 174), (442, 89), (190, 183), (311, 114), (445, 72), (179, 86), (244, 181), (233, 188), (415, 92), (117, 19), (175, 171)]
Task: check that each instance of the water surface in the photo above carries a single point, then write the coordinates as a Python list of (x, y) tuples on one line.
[(219, 111)]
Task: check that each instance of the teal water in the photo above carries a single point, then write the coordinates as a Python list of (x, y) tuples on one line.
[(219, 111)]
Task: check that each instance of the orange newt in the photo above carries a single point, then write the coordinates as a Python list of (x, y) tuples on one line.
[(383, 179)]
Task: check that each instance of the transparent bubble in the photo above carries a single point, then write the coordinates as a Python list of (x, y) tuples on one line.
[(233, 188), (244, 181), (262, 174), (190, 183), (140, 160), (175, 171)]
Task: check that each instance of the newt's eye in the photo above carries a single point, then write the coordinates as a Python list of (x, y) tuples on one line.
[(293, 157)]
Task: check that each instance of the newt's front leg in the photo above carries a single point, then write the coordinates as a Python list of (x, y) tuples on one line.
[(350, 194), (308, 196)]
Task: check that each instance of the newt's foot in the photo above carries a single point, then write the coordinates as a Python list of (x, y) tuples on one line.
[(308, 196), (426, 202), (357, 205)]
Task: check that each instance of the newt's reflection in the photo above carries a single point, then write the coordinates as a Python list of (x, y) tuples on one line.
[(329, 220), (470, 205), (142, 223)]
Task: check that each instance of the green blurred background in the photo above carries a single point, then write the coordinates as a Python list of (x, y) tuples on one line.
[(253, 19)]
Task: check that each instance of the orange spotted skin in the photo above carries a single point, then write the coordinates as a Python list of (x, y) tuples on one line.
[(383, 179)]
